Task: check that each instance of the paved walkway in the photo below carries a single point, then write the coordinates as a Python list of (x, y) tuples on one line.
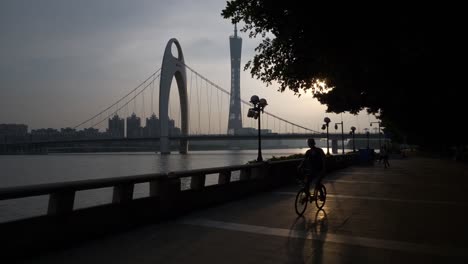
[(410, 212)]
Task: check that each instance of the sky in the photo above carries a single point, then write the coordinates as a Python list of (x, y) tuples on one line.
[(62, 61)]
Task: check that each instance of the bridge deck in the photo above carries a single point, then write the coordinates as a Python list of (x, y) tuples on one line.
[(410, 212)]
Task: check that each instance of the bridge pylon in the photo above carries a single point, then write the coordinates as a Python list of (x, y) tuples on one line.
[(173, 67)]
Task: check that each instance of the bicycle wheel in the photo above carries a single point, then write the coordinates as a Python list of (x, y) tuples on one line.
[(302, 200), (320, 194)]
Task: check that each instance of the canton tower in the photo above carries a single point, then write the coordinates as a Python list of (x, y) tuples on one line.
[(235, 115)]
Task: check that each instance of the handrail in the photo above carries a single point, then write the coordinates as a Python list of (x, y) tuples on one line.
[(189, 173), (48, 188)]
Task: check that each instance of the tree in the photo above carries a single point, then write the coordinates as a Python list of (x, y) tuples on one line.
[(399, 64)]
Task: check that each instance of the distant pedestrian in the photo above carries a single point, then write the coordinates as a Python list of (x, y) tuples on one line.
[(384, 156)]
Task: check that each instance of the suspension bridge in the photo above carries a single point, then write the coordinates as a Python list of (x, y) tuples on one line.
[(197, 111)]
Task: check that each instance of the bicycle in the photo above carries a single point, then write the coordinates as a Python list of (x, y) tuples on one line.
[(319, 196)]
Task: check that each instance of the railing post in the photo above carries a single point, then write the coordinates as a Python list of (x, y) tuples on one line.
[(61, 203), (167, 188), (274, 173), (224, 177), (245, 174), (197, 182), (154, 187), (258, 172), (122, 193)]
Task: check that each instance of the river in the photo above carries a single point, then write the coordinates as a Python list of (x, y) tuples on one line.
[(21, 170)]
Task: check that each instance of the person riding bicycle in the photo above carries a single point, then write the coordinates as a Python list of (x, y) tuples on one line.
[(312, 166)]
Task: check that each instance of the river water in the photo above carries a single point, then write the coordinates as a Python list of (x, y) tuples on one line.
[(20, 170)]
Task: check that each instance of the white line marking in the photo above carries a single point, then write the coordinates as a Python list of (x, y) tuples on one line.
[(335, 238), (332, 180), (378, 198), (377, 173), (358, 182)]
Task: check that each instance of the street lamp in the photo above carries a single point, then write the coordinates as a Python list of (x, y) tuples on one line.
[(352, 133), (380, 142), (326, 120), (342, 135), (255, 112)]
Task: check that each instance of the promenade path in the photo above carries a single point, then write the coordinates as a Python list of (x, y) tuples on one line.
[(412, 212)]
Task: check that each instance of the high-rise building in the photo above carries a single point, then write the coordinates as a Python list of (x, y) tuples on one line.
[(116, 127), (133, 126), (152, 126), (235, 115), (173, 130)]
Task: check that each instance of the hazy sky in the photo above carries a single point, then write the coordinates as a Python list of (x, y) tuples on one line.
[(62, 61)]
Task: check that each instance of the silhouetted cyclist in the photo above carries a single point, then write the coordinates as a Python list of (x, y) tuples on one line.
[(313, 165)]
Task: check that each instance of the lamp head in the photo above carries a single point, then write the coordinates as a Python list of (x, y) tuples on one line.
[(336, 126), (326, 120), (263, 103), (323, 127), (353, 128), (254, 99)]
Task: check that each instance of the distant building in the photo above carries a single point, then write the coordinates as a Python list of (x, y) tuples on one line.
[(116, 127), (134, 126), (45, 134), (16, 130), (173, 130), (245, 131), (89, 133), (152, 128), (68, 133)]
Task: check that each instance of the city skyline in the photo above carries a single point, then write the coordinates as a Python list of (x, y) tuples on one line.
[(69, 60)]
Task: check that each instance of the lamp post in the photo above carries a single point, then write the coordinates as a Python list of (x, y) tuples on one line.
[(255, 112), (342, 135), (352, 133), (326, 120), (380, 142)]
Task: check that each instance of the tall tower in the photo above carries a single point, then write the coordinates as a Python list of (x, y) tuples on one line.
[(235, 115)]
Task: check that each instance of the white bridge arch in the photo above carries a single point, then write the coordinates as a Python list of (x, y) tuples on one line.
[(173, 67)]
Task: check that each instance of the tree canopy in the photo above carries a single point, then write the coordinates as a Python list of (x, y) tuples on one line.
[(398, 63)]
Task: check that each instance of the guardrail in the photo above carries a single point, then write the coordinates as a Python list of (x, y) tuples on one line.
[(164, 186), (62, 195), (62, 224)]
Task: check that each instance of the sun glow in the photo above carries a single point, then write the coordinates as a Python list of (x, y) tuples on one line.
[(320, 86)]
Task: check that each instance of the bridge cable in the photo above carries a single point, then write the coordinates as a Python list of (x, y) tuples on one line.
[(245, 102), (219, 112), (209, 97), (152, 95), (141, 84), (131, 99), (143, 107), (198, 105)]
